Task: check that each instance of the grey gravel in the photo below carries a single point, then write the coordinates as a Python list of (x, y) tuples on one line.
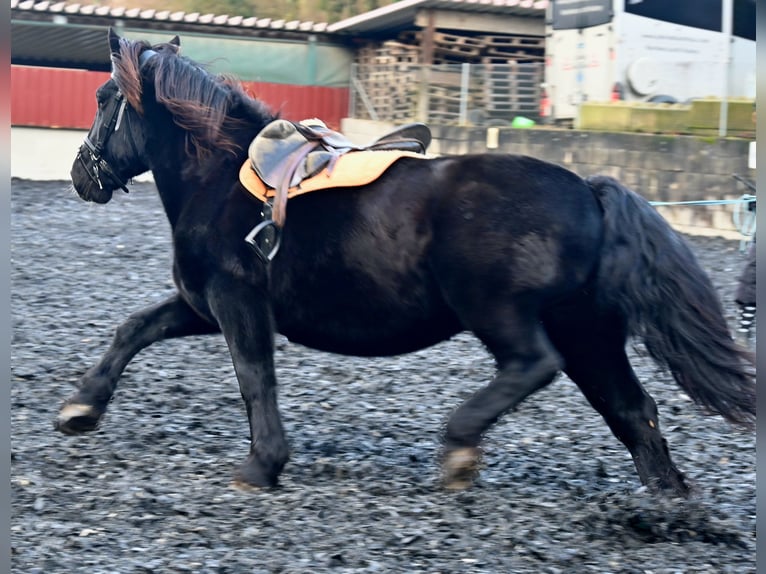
[(149, 492)]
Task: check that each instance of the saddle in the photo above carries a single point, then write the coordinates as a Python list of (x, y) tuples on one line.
[(284, 155)]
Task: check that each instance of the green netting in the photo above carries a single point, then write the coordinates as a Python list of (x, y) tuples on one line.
[(306, 63)]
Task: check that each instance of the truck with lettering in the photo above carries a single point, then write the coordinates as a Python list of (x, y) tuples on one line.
[(646, 50)]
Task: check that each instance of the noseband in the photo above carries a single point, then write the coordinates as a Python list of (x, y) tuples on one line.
[(89, 155)]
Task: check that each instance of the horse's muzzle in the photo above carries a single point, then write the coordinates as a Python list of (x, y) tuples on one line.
[(92, 176), (88, 180)]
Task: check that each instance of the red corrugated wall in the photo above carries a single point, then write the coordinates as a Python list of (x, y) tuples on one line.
[(52, 97), (58, 98), (301, 102)]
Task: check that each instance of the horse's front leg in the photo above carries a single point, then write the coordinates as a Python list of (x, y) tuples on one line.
[(247, 324), (168, 319)]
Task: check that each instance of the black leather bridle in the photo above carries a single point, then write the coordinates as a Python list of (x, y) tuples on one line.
[(89, 155)]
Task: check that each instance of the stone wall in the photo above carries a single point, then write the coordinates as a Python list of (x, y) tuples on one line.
[(660, 168)]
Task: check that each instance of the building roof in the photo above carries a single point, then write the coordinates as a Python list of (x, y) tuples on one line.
[(61, 34), (401, 15)]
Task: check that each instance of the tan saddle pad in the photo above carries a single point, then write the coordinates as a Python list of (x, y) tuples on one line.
[(352, 169)]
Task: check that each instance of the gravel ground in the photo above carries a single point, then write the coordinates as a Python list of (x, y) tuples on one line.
[(149, 491)]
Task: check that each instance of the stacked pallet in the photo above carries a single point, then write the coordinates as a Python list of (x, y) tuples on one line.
[(445, 92), (388, 75), (483, 49), (512, 89), (507, 49), (505, 76)]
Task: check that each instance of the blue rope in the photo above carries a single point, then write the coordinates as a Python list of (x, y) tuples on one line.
[(743, 199)]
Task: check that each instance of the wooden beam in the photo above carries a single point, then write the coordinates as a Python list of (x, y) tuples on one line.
[(427, 59), (427, 41), (484, 23)]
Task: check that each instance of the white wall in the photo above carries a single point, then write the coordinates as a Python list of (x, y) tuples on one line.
[(45, 154)]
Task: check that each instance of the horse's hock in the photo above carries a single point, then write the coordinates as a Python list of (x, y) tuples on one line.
[(659, 167)]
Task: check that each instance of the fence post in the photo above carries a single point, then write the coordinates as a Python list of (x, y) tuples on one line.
[(727, 25), (465, 75), (358, 88), (424, 100), (352, 91)]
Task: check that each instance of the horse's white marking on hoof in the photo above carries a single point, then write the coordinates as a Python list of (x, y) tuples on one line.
[(460, 468), (72, 411), (245, 487)]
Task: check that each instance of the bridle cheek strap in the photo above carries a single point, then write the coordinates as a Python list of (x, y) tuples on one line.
[(100, 167)]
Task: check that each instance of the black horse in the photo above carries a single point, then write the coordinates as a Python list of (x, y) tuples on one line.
[(550, 271)]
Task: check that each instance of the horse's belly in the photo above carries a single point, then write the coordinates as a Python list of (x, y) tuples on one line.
[(368, 336)]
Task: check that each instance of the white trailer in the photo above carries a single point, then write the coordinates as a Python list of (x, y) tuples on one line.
[(650, 50)]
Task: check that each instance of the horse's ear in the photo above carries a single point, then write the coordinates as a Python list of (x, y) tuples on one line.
[(114, 41), (175, 44)]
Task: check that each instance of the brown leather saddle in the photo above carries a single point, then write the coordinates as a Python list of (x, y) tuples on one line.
[(285, 153)]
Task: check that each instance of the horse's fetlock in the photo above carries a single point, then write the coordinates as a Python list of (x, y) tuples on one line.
[(256, 472)]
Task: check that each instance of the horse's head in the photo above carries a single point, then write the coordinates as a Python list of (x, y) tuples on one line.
[(162, 111), (114, 150)]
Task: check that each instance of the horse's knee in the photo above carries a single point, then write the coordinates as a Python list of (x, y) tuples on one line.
[(128, 330)]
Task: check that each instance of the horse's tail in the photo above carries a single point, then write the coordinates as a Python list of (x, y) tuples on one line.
[(649, 272)]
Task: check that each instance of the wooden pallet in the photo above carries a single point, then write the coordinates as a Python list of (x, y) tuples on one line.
[(515, 55), (504, 77), (513, 41), (443, 39)]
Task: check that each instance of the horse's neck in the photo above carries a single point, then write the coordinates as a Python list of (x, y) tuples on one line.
[(176, 172), (174, 194), (179, 182)]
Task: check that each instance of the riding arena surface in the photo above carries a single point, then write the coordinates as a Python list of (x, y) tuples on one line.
[(149, 491)]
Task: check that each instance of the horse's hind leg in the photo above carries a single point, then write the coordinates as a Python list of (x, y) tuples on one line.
[(594, 352), (526, 362), (168, 319)]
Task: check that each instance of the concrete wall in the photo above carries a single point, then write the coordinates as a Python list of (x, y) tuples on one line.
[(660, 168)]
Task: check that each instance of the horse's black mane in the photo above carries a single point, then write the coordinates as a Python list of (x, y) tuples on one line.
[(215, 110)]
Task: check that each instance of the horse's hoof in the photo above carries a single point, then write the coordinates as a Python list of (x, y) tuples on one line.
[(672, 485), (252, 476), (77, 418), (461, 467), (247, 488)]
